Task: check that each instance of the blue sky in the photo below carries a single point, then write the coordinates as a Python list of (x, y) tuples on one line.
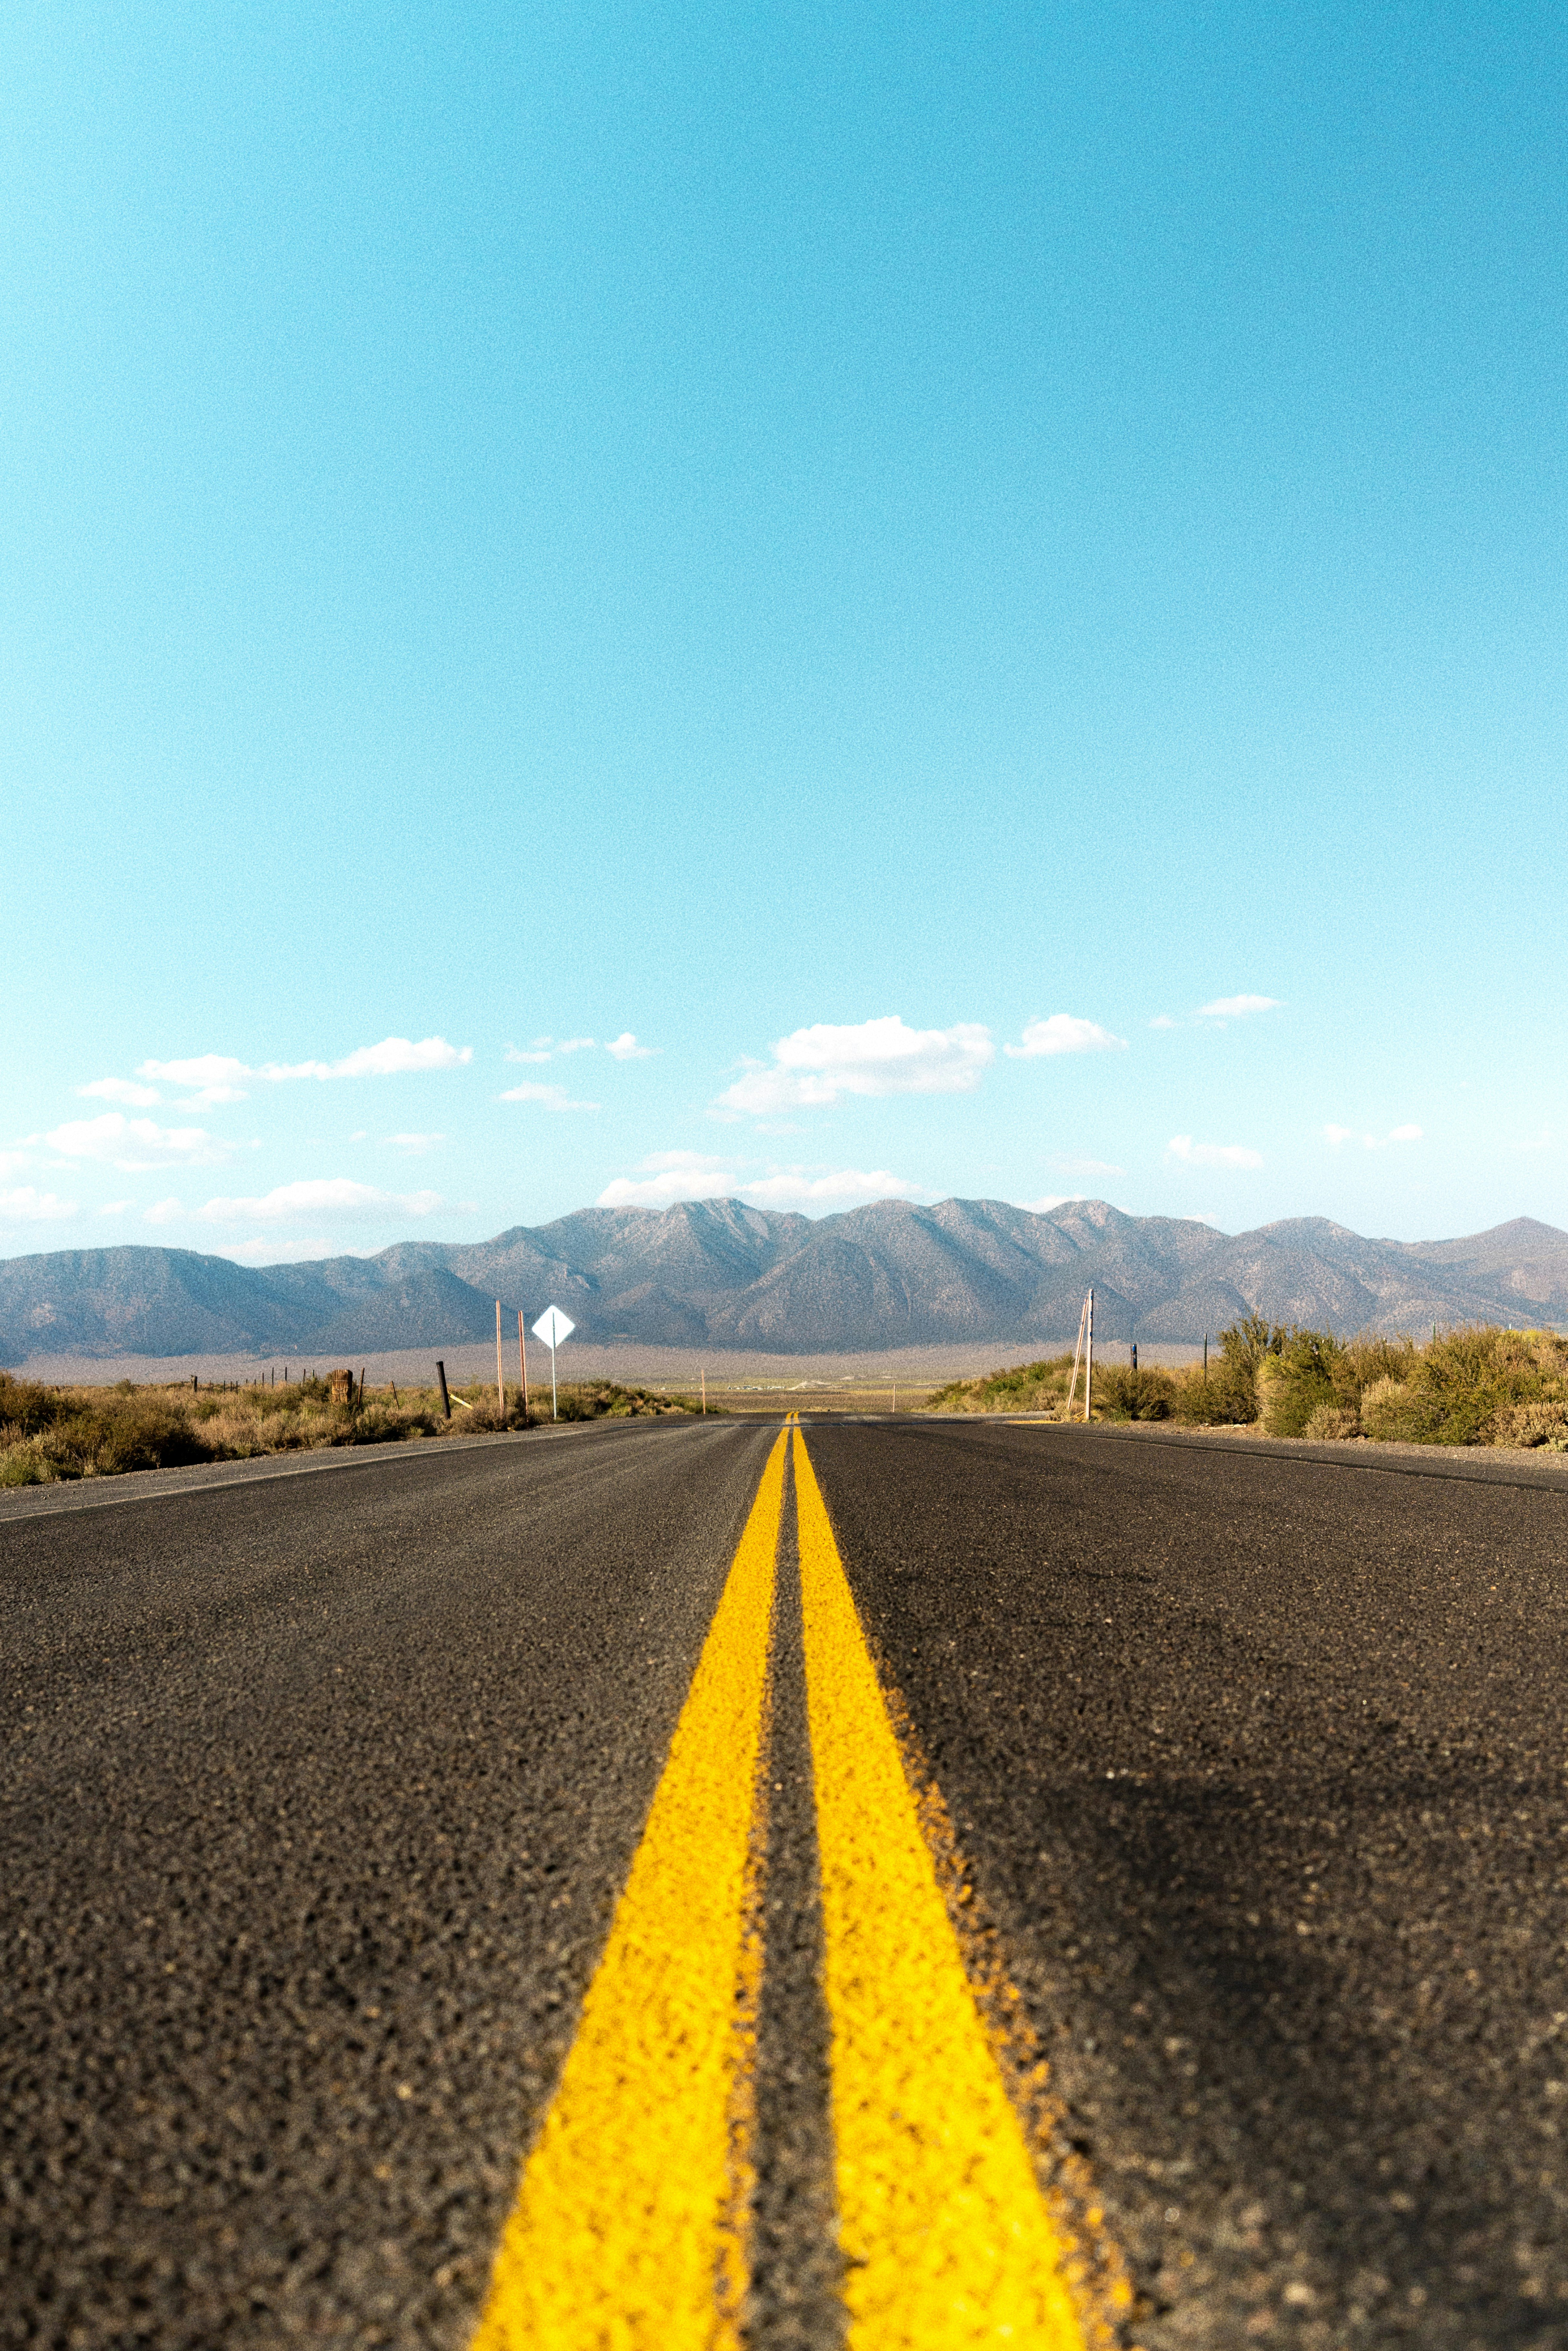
[(975, 594)]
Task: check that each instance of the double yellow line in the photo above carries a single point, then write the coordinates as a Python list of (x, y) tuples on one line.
[(630, 2226)]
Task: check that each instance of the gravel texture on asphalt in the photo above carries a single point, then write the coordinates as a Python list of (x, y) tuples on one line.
[(794, 2303), (319, 1790), (1259, 1765), (318, 1794)]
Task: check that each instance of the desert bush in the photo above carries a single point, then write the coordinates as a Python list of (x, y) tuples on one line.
[(1544, 1424), (26, 1406), (21, 1465), (1227, 1394), (1391, 1411), (1220, 1400), (1467, 1377), (1479, 1386), (49, 1433), (1123, 1394), (1249, 1343), (1364, 1359), (1024, 1387), (608, 1400), (1297, 1380), (1332, 1422)]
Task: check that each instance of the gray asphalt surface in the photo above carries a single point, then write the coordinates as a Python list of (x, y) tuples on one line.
[(317, 1792), (1260, 1765)]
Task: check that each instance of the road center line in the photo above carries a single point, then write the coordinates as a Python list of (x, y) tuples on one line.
[(947, 2239), (625, 2229)]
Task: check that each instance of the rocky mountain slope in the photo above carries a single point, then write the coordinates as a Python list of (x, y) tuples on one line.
[(723, 1275)]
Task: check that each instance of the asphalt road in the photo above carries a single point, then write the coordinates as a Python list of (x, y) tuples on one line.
[(319, 1791)]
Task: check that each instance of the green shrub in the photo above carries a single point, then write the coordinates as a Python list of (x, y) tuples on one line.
[(1225, 1394), (1332, 1422), (1122, 1394), (1364, 1360), (1391, 1411), (1544, 1424), (1297, 1380), (26, 1406), (21, 1465), (1467, 1377), (1025, 1387)]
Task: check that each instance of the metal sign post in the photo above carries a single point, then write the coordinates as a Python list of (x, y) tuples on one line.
[(553, 1327)]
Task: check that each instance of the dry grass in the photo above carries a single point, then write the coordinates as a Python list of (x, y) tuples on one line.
[(50, 1433)]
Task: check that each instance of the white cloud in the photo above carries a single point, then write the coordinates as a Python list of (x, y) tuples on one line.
[(335, 1197), (1212, 1155), (216, 1077), (212, 1077), (25, 1206), (672, 1175), (134, 1145), (120, 1090), (278, 1248), (624, 1048), (411, 1145), (1162, 1021), (814, 1066), (549, 1097), (1338, 1135), (113, 1207), (394, 1057), (792, 1188), (1064, 1034), (1237, 1008), (13, 1162)]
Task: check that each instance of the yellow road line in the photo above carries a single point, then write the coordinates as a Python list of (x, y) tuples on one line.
[(624, 2234), (947, 2239)]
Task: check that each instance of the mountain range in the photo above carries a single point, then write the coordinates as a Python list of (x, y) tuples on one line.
[(725, 1276)]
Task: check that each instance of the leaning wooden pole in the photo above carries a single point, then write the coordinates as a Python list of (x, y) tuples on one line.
[(1077, 1358), (1089, 1359), (523, 1365)]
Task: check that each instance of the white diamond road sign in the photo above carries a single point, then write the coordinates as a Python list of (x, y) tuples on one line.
[(553, 1326)]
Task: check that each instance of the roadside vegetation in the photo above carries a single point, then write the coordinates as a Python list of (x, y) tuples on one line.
[(1479, 1385), (49, 1433)]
